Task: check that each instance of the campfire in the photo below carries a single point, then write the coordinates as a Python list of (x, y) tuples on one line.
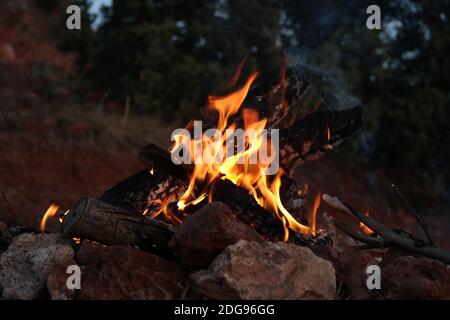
[(224, 193), (228, 165), (217, 164)]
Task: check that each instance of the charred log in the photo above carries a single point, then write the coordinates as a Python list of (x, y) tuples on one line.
[(132, 193), (248, 210), (309, 138), (159, 158), (101, 222), (243, 204), (277, 102)]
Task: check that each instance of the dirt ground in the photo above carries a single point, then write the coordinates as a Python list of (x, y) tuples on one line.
[(33, 176)]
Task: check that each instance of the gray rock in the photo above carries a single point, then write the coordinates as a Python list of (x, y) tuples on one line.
[(30, 258), (266, 270)]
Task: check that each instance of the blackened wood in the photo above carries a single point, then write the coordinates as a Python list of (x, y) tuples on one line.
[(247, 209), (153, 155), (275, 102), (309, 138), (243, 204), (110, 225), (132, 192)]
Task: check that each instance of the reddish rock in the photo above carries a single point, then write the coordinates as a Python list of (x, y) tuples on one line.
[(57, 282), (266, 270), (89, 250), (123, 272), (410, 277), (206, 233)]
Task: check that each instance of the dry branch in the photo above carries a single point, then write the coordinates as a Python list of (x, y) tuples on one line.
[(386, 236), (415, 215)]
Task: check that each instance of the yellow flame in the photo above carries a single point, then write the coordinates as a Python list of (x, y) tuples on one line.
[(314, 213), (238, 167), (51, 211), (164, 209)]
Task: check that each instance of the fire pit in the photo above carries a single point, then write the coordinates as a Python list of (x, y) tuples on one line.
[(220, 217)]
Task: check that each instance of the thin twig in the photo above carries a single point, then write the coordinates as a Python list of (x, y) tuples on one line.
[(422, 224), (390, 237), (371, 241)]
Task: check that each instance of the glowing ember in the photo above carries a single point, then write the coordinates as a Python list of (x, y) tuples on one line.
[(61, 217), (365, 228), (51, 211), (304, 191)]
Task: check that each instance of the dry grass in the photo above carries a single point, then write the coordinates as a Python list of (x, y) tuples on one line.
[(112, 130), (72, 125)]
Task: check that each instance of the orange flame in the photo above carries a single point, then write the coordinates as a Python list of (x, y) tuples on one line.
[(164, 209), (237, 73), (328, 133), (365, 228), (314, 213), (51, 211), (235, 167)]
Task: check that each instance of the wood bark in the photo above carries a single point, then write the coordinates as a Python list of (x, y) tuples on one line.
[(110, 225)]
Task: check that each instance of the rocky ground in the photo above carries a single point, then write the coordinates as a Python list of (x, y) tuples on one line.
[(215, 256)]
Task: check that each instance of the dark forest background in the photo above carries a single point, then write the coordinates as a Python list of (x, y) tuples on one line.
[(167, 56), (164, 57)]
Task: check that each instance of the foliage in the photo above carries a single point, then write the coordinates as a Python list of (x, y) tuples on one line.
[(168, 55)]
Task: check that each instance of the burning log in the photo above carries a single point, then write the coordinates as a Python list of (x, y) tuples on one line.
[(132, 193), (101, 222), (309, 138), (237, 198), (305, 140)]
